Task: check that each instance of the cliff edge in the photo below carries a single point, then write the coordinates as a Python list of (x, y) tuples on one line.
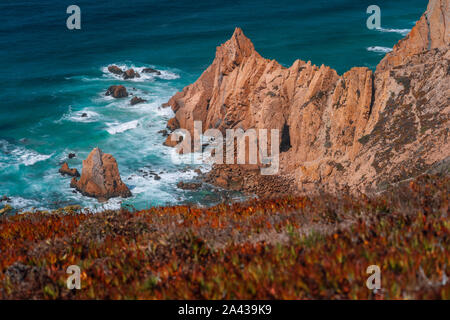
[(362, 129)]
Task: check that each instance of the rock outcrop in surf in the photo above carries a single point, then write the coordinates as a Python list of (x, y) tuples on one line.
[(117, 92), (65, 170), (100, 177)]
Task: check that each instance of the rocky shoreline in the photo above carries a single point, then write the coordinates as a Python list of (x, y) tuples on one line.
[(361, 130)]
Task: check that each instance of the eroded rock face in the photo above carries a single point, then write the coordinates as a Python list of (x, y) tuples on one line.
[(100, 177), (430, 32), (360, 129)]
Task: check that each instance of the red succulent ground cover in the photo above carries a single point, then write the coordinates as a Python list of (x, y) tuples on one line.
[(315, 247)]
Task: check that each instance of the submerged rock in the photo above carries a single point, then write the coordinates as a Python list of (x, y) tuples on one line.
[(163, 132), (65, 170), (137, 100), (117, 92), (189, 185), (151, 70), (100, 177)]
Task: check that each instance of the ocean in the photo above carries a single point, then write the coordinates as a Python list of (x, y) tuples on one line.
[(50, 76)]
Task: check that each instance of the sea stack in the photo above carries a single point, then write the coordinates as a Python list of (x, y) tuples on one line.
[(100, 177)]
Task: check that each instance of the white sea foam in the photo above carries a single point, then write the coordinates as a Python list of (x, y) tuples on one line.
[(164, 74), (29, 158), (114, 128), (84, 116), (19, 203), (403, 32), (379, 49), (18, 155)]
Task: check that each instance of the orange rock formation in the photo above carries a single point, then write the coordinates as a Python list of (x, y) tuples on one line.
[(362, 129), (100, 177)]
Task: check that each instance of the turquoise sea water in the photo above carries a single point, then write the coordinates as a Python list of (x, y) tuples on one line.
[(51, 75)]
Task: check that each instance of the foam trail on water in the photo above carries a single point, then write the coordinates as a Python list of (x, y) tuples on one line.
[(16, 155), (115, 128), (403, 32), (379, 49)]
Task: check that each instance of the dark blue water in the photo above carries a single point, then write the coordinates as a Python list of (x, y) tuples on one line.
[(51, 75)]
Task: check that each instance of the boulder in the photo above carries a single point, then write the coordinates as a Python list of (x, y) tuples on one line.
[(151, 70), (172, 142), (65, 170), (188, 185), (131, 74), (173, 124), (137, 100), (71, 155), (163, 132), (117, 92), (100, 177), (115, 70)]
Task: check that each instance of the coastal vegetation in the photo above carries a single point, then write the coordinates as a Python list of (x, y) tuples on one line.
[(315, 247)]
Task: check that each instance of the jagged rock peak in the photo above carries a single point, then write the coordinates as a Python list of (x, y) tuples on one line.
[(100, 177)]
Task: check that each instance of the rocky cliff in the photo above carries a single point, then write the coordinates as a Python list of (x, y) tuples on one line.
[(362, 129)]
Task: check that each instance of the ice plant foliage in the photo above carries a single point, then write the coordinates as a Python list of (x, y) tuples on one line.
[(293, 248)]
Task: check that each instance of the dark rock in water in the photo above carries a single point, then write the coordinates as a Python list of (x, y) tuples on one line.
[(65, 170), (198, 171), (164, 133), (84, 115), (137, 100), (115, 70), (5, 209), (172, 142), (189, 185), (100, 177), (72, 155), (173, 124), (157, 177), (131, 74), (151, 70), (117, 92), (5, 199)]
